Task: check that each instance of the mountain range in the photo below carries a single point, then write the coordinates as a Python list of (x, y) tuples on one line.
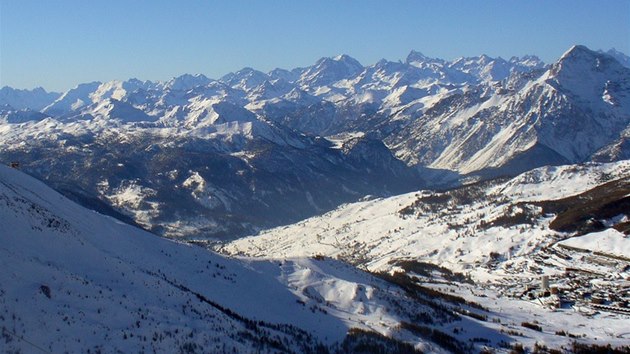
[(195, 157), (425, 205)]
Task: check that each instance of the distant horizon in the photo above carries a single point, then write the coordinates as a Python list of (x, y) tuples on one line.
[(57, 45), (289, 69)]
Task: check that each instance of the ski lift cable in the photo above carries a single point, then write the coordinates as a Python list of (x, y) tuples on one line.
[(22, 338)]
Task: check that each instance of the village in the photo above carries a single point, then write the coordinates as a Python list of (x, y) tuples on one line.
[(592, 282)]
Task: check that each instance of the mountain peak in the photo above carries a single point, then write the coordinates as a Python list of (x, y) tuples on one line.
[(622, 58), (187, 81), (415, 55), (284, 74), (245, 79), (246, 71), (35, 99), (73, 99), (577, 51), (529, 61), (344, 57), (580, 59), (342, 62), (328, 70)]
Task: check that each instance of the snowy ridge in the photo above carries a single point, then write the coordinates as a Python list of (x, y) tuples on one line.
[(609, 241), (207, 161), (556, 111), (556, 182), (35, 99), (401, 101)]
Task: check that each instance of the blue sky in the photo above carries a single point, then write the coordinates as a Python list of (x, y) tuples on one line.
[(58, 44)]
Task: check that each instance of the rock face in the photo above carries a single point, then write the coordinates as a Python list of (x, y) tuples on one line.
[(197, 157)]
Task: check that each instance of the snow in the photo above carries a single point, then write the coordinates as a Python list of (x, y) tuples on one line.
[(609, 241), (340, 139), (205, 194), (467, 237), (79, 254), (186, 82), (35, 99), (75, 280), (561, 181), (455, 236), (376, 231), (72, 99), (134, 199), (505, 121)]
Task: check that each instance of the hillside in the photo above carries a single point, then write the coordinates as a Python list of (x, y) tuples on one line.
[(491, 243), (76, 281)]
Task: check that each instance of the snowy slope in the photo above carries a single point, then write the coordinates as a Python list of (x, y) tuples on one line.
[(622, 58), (609, 241), (501, 234), (75, 281), (10, 115), (457, 230), (246, 164), (73, 99)]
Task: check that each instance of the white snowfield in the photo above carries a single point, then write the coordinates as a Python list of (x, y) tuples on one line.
[(556, 182), (609, 241), (74, 280), (566, 109)]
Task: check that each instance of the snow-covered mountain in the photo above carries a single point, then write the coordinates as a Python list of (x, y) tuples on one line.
[(10, 115), (443, 227), (273, 148), (35, 99), (76, 281), (565, 114), (570, 224), (73, 99), (231, 174), (622, 58), (495, 69), (354, 152)]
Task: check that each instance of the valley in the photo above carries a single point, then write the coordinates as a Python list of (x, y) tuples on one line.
[(426, 205)]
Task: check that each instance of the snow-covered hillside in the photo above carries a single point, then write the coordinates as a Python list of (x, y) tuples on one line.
[(565, 223), (76, 281), (534, 257), (457, 229), (35, 99)]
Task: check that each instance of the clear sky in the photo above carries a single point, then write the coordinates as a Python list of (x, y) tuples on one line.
[(57, 44)]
